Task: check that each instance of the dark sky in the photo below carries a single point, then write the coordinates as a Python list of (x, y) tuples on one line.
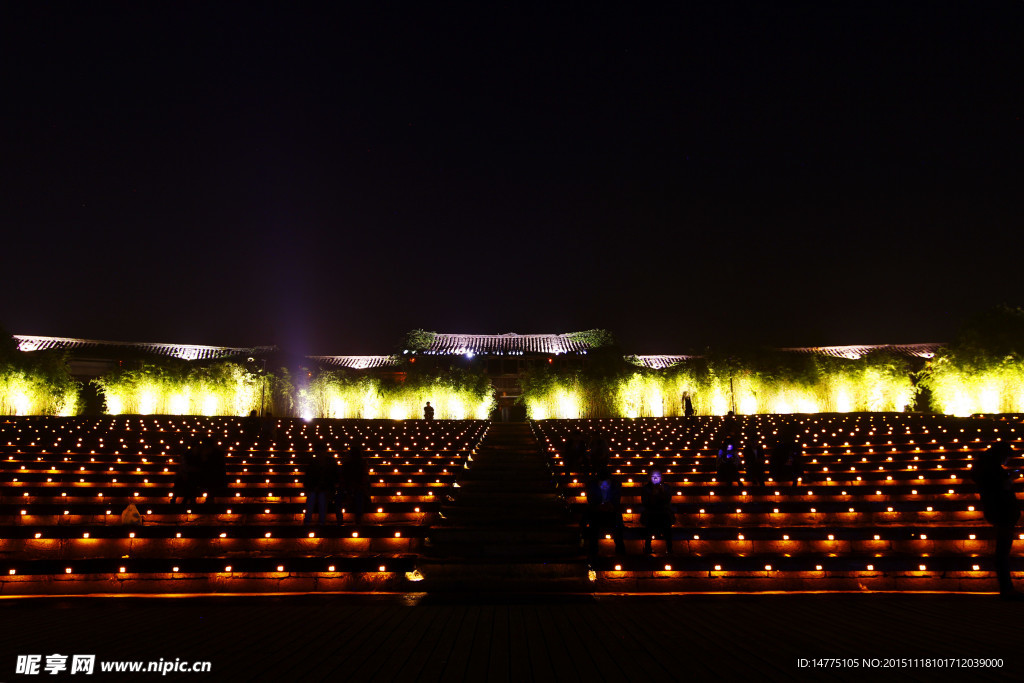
[(682, 174)]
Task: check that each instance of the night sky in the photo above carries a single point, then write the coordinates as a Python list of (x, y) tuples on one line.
[(685, 174)]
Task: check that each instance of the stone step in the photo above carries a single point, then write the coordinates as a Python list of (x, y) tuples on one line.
[(472, 487), (510, 460), (504, 527), (501, 574), (483, 518), (504, 534), (498, 475), (519, 552), (518, 505)]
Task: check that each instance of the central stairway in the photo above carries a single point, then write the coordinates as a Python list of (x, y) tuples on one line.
[(506, 529)]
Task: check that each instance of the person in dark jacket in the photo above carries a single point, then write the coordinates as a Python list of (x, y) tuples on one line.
[(320, 479), (786, 461), (754, 461), (688, 410), (727, 465), (1001, 508), (187, 476), (657, 516), (428, 412), (574, 455), (354, 491), (213, 476), (603, 511), (598, 454)]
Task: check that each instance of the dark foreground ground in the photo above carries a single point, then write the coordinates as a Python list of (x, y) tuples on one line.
[(419, 637)]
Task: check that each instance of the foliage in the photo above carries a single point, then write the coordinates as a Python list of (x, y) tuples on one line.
[(592, 339), (35, 383), (572, 392), (419, 340), (176, 387), (982, 371), (745, 380), (455, 393)]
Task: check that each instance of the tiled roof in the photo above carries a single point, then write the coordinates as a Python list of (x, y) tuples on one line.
[(357, 362), (443, 344), (505, 344), (182, 351), (855, 352), (658, 362), (850, 352)]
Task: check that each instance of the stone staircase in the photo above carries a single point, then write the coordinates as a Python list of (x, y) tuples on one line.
[(506, 529)]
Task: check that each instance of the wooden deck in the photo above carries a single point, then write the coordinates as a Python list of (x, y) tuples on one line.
[(519, 638)]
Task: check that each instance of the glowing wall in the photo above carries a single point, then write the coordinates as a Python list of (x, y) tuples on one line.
[(24, 392), (222, 389), (855, 387), (332, 395), (995, 388)]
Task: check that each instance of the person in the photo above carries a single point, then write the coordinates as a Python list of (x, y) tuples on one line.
[(687, 405), (428, 412), (187, 477), (269, 428), (598, 454), (786, 461), (574, 454), (354, 490), (730, 427), (727, 464), (213, 476), (755, 461), (603, 512), (657, 516), (319, 480), (1001, 508), (252, 425)]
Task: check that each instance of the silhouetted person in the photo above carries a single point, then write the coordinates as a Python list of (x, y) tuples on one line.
[(187, 477), (269, 425), (786, 461), (574, 454), (727, 464), (730, 427), (603, 511), (754, 462), (252, 425), (598, 454), (213, 476), (657, 516), (428, 412), (354, 491), (1001, 508), (687, 405), (320, 479)]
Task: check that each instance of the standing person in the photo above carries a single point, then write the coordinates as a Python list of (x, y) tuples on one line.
[(187, 476), (251, 425), (214, 476), (657, 516), (598, 454), (604, 496), (574, 455), (355, 483), (687, 404), (754, 461), (428, 412), (786, 461), (1001, 508), (727, 464), (319, 480)]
